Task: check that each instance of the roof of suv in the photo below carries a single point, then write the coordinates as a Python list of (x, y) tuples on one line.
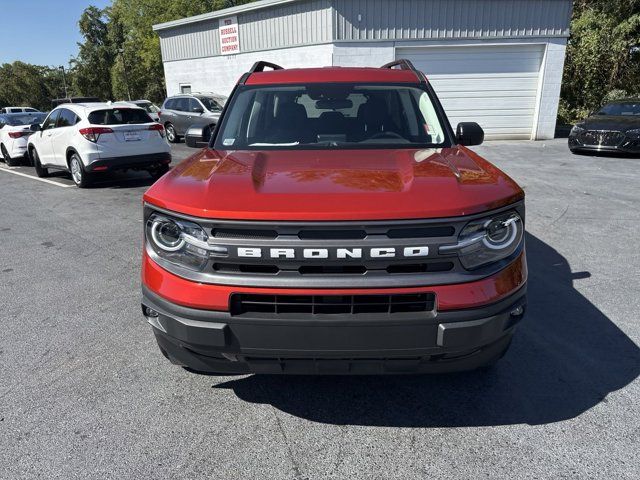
[(92, 107), (333, 74)]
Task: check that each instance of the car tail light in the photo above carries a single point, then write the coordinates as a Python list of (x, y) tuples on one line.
[(158, 128), (93, 133), (18, 134), (159, 113)]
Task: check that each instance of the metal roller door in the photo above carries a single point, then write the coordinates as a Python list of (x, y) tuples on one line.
[(494, 85)]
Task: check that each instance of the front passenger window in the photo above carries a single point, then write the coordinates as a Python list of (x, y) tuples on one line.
[(194, 106), (50, 122)]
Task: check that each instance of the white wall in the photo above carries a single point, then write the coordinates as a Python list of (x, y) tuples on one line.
[(220, 74), (551, 81), (363, 54)]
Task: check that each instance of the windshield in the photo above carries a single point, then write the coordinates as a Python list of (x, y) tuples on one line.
[(331, 116), (620, 109), (119, 116), (25, 119), (212, 104)]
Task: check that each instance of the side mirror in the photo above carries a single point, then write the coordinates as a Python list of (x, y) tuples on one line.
[(469, 133), (35, 127), (198, 136), (197, 110)]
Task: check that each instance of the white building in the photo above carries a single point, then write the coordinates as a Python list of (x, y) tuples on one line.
[(497, 62)]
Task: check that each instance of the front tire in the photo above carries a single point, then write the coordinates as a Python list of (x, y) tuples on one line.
[(172, 136), (40, 170), (7, 159), (78, 173)]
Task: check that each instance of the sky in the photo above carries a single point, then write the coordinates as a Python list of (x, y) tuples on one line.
[(44, 32)]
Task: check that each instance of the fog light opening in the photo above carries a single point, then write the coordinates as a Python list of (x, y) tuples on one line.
[(516, 312), (150, 312)]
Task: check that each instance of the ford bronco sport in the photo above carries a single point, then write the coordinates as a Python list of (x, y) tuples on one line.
[(335, 224)]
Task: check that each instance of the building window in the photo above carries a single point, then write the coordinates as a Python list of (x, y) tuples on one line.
[(185, 88)]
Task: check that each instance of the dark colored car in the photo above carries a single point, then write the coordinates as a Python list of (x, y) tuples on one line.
[(613, 128), (335, 224), (180, 112)]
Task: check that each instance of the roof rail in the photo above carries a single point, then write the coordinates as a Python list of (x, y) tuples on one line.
[(403, 63), (260, 66)]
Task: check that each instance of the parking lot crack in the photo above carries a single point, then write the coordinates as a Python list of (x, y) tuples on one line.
[(561, 216), (294, 465)]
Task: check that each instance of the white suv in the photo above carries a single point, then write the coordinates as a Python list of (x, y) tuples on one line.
[(18, 110), (87, 138), (14, 135)]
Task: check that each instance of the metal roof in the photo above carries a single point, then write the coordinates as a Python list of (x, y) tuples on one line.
[(226, 12)]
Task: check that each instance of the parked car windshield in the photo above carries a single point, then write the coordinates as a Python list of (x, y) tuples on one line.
[(620, 109), (212, 104), (119, 116), (16, 120), (331, 116)]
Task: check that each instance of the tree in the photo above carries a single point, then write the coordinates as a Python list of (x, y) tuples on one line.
[(96, 55), (602, 55), (24, 84), (118, 58), (131, 27)]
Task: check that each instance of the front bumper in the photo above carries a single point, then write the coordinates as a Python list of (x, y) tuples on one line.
[(627, 147), (131, 161), (215, 341)]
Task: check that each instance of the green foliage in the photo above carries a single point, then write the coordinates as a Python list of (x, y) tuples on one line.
[(601, 56), (131, 22), (119, 57), (96, 55), (23, 84)]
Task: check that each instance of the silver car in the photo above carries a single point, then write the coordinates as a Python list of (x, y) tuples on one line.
[(149, 107), (180, 112)]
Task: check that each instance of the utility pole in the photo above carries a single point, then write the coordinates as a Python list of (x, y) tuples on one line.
[(64, 82), (124, 71)]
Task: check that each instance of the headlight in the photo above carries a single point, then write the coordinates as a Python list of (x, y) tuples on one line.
[(487, 240), (635, 133), (577, 130), (180, 242)]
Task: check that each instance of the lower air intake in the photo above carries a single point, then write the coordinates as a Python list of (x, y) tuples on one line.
[(243, 304)]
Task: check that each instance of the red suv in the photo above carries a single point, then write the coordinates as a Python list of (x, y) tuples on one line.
[(335, 224)]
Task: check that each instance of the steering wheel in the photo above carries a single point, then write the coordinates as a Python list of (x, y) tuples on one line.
[(387, 135)]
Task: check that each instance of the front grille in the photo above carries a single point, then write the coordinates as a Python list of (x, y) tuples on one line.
[(243, 304), (243, 234), (335, 254), (605, 138), (331, 236)]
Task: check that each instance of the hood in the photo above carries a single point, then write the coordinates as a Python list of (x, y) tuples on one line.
[(316, 185), (611, 122)]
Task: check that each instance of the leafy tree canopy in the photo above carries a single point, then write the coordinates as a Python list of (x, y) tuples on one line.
[(603, 56)]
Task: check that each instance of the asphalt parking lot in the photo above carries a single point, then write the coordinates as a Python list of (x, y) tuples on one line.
[(85, 393)]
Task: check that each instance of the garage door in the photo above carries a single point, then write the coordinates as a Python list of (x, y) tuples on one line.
[(495, 86)]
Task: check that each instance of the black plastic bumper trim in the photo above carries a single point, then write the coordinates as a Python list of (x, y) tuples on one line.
[(195, 336), (131, 161)]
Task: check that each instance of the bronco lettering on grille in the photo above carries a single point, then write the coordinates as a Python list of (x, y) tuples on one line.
[(338, 253)]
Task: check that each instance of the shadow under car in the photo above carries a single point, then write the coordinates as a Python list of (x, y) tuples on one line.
[(567, 356)]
